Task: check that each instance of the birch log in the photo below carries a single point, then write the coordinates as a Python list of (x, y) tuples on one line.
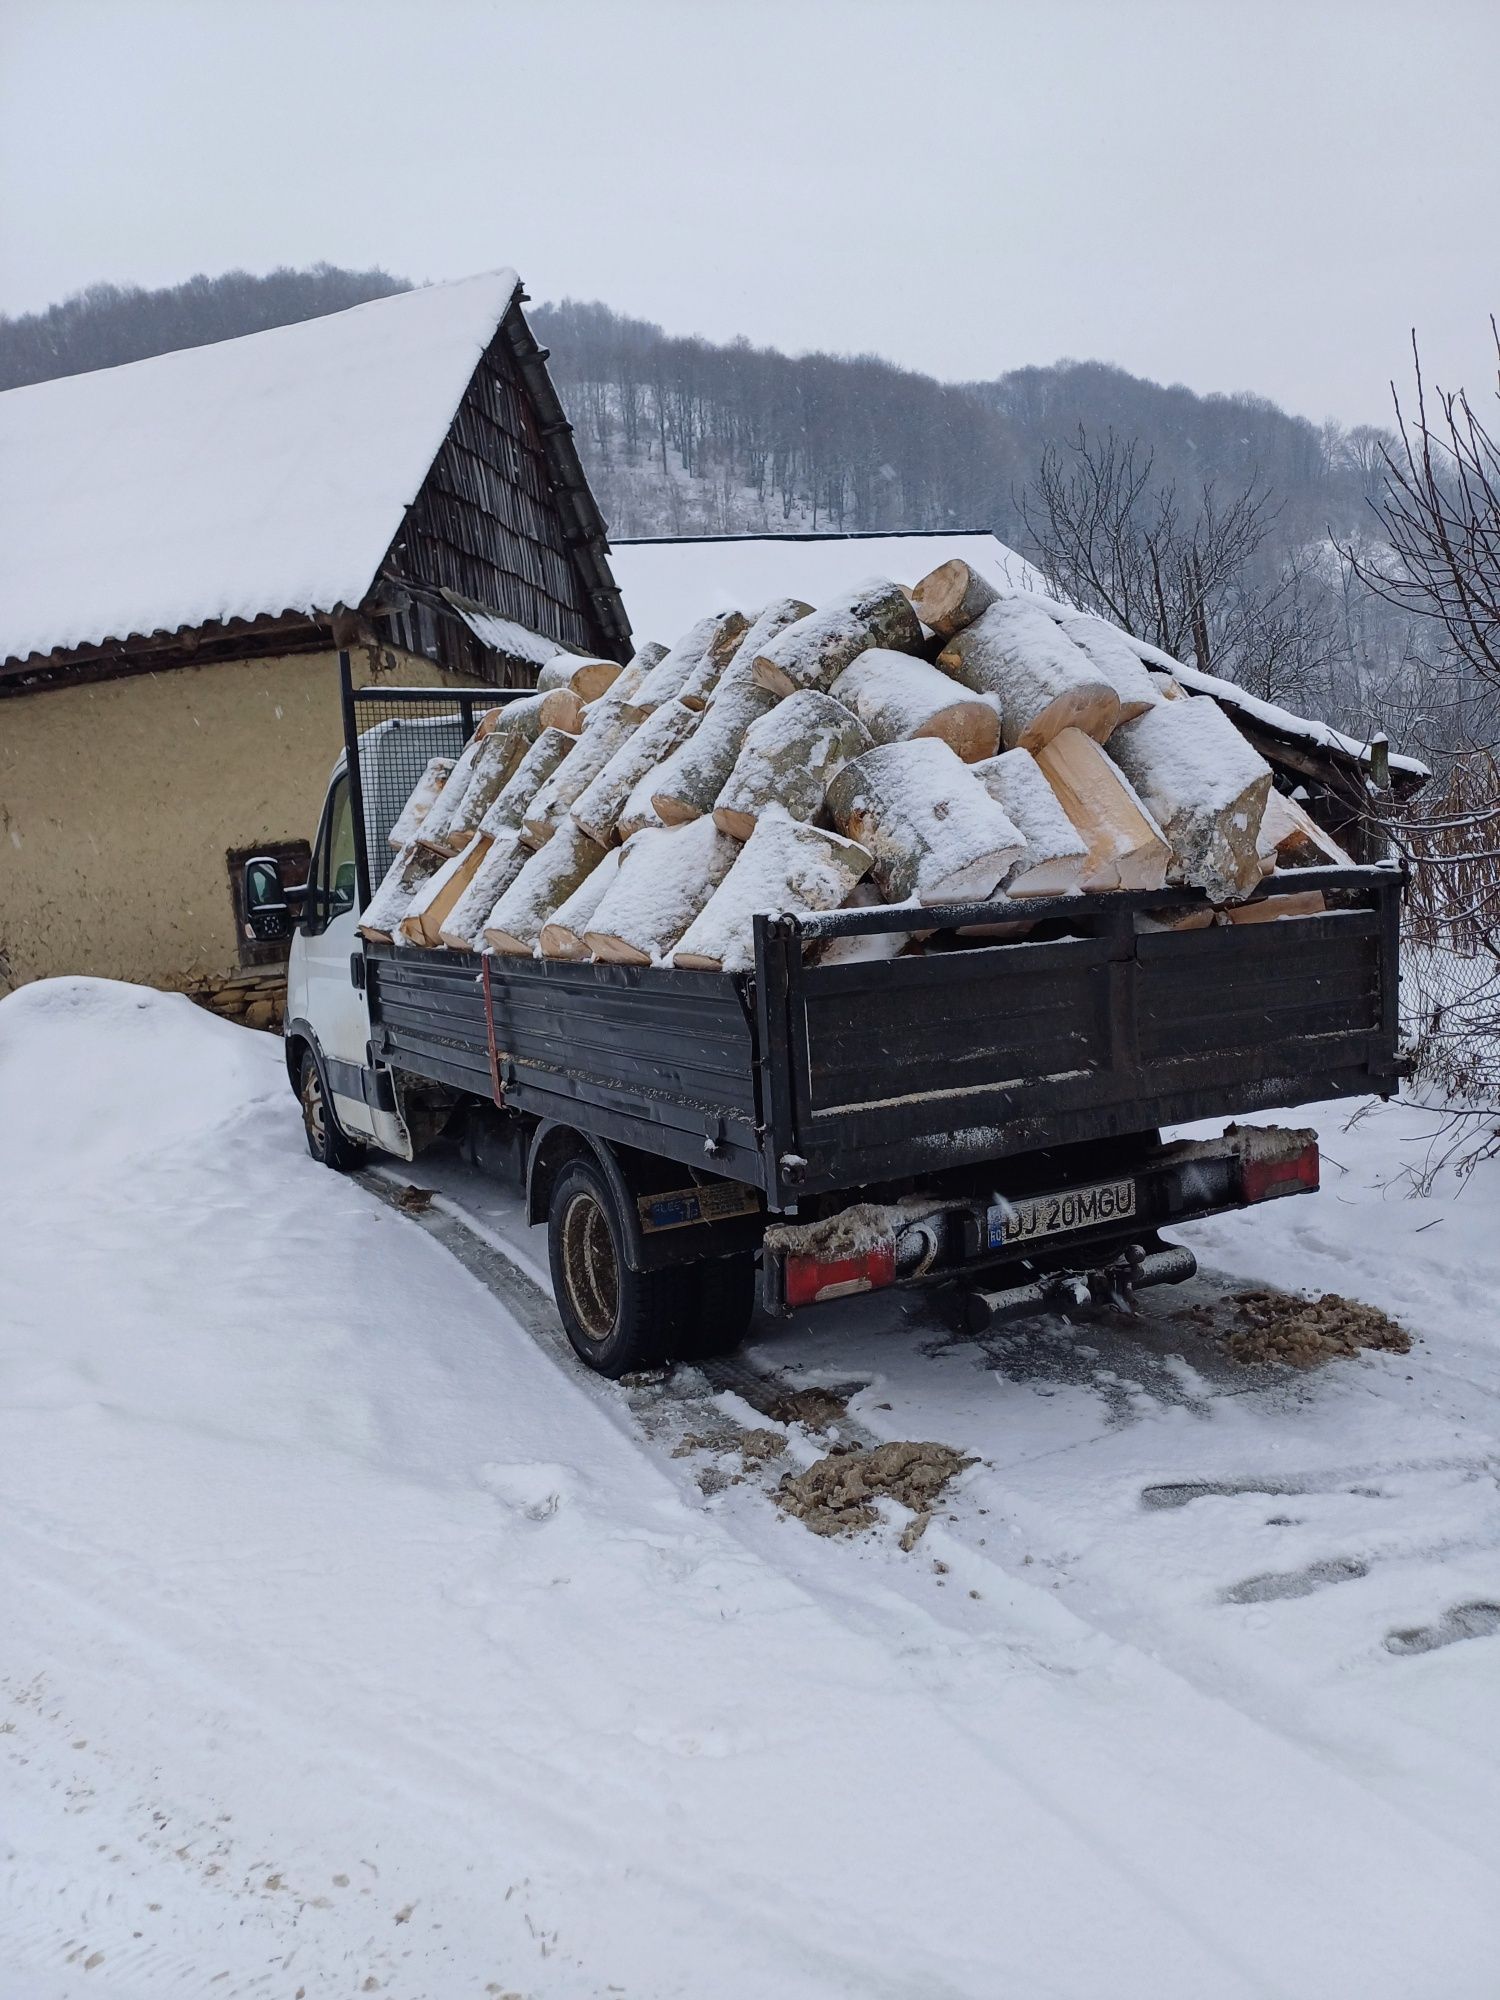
[(702, 684), (599, 804), (545, 880), (666, 875), (896, 696), (381, 917), (815, 651), (562, 708), (1126, 847), (496, 762), (587, 678), (562, 937), (784, 865), (688, 781), (609, 721), (542, 758), (710, 643), (423, 798), (1205, 786), (1056, 852), (1045, 682), (787, 760), (463, 927), (429, 908), (952, 596), (932, 828)]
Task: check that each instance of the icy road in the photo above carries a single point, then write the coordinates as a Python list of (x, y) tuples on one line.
[(352, 1642)]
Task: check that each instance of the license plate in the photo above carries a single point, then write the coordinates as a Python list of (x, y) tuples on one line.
[(1028, 1220)]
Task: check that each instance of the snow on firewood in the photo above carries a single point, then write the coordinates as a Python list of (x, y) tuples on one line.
[(933, 829), (814, 651), (463, 927), (562, 936), (1108, 649), (687, 782), (587, 678), (608, 722), (784, 866), (423, 798), (522, 717), (787, 759), (500, 756), (433, 831), (546, 879), (509, 804), (896, 696), (1206, 788), (430, 907), (709, 644), (1055, 850), (666, 875), (599, 804), (703, 683), (1045, 683), (381, 917), (1126, 847), (952, 596)]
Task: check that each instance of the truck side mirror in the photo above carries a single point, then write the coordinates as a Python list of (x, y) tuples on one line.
[(268, 902)]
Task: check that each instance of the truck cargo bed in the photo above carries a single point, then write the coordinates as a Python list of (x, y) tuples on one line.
[(803, 1079)]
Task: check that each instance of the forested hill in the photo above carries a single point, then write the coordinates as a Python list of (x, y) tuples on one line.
[(683, 435)]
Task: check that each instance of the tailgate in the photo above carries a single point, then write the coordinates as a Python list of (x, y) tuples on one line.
[(877, 1072)]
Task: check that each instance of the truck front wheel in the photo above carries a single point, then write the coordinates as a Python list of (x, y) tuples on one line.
[(616, 1319), (327, 1141)]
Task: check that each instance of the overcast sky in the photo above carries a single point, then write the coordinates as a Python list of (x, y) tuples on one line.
[(1235, 194)]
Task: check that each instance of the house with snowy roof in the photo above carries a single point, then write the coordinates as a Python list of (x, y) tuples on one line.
[(186, 543)]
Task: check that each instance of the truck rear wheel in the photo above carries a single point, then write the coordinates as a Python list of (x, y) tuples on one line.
[(616, 1319), (327, 1140)]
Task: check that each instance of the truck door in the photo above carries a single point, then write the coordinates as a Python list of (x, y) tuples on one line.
[(321, 987)]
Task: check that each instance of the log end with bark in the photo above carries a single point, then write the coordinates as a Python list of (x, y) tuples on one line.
[(814, 651), (784, 865), (951, 597), (1044, 682), (665, 877), (546, 880), (1205, 786)]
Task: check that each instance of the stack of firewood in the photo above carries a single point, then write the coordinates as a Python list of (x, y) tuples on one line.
[(949, 744)]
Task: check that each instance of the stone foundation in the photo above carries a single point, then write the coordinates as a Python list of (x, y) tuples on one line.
[(254, 998)]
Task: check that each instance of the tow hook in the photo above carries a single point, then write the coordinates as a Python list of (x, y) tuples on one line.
[(1058, 1290)]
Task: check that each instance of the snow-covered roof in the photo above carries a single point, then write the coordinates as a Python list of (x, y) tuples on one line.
[(257, 476), (668, 584)]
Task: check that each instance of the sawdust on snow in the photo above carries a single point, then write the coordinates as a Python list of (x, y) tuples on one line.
[(1302, 1333), (838, 1494)]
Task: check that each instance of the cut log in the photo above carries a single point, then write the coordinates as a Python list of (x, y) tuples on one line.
[(445, 808), (1126, 847), (787, 759), (952, 596), (562, 937), (429, 909), (702, 684), (599, 804), (509, 805), (1167, 687), (666, 876), (1295, 838), (546, 879), (1300, 903), (454, 820), (423, 798), (1045, 683), (709, 644), (463, 927), (934, 831), (521, 717), (414, 865), (785, 865), (1109, 650), (896, 696), (1176, 920), (688, 781), (608, 722), (1205, 787), (562, 708), (1056, 851), (587, 678), (815, 651)]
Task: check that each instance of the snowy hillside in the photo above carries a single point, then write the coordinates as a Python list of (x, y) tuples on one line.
[(354, 1643)]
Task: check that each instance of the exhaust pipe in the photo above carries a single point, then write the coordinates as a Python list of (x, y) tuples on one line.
[(1155, 1267)]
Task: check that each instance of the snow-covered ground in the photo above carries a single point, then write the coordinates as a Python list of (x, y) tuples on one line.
[(354, 1642)]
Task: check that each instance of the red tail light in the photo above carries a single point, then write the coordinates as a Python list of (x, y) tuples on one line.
[(1296, 1173), (809, 1280)]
